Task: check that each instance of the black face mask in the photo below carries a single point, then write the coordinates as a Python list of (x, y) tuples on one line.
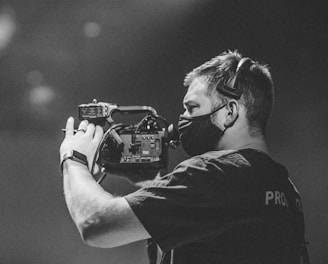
[(198, 134)]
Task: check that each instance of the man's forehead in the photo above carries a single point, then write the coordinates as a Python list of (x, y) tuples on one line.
[(198, 87)]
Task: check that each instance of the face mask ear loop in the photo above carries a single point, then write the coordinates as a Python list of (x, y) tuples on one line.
[(217, 109), (225, 128)]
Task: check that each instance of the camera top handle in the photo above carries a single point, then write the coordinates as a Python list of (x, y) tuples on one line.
[(100, 112), (135, 109)]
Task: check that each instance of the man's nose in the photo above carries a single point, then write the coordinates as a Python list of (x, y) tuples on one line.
[(186, 114)]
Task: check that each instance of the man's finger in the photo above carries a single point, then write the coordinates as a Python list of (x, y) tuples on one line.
[(82, 127), (90, 130), (69, 127), (99, 132)]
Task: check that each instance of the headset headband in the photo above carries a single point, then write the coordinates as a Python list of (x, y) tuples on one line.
[(229, 89)]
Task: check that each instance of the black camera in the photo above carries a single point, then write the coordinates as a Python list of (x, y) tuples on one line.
[(143, 145)]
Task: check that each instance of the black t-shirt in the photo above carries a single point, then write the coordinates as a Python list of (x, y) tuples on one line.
[(224, 207)]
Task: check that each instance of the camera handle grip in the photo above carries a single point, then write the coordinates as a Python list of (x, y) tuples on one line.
[(134, 109)]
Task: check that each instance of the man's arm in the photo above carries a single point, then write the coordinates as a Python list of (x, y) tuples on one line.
[(102, 219)]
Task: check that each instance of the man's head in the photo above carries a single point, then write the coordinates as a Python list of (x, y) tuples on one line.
[(255, 84), (249, 113)]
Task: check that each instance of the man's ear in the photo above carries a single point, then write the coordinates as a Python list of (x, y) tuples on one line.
[(232, 113)]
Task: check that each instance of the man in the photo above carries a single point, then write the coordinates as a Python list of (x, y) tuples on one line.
[(229, 203)]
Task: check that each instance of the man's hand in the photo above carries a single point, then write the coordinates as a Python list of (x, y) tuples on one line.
[(85, 140)]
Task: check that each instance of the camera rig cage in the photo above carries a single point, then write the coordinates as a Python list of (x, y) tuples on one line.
[(130, 146)]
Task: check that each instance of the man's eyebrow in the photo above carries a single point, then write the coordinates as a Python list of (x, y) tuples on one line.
[(189, 102)]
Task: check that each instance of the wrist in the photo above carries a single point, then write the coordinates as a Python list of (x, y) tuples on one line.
[(74, 157), (70, 165)]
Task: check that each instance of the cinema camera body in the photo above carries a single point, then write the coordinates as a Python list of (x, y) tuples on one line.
[(130, 146)]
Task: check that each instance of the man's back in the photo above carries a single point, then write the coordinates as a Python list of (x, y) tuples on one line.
[(224, 207)]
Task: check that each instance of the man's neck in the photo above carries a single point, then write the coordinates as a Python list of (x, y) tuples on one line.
[(243, 141)]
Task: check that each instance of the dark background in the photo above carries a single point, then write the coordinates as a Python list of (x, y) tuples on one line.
[(55, 55)]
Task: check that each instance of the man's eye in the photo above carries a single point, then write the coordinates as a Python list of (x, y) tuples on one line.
[(191, 108)]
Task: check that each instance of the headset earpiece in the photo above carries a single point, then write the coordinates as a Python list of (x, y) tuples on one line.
[(229, 88)]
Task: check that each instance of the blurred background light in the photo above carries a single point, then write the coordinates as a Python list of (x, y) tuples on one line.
[(7, 26), (92, 29), (41, 95)]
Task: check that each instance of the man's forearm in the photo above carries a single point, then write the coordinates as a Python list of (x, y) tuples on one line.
[(102, 219), (83, 196)]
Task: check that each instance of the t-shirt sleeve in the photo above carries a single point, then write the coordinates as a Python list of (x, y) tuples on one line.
[(186, 204)]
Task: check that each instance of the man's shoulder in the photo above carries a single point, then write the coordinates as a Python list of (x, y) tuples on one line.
[(218, 158), (224, 157), (220, 154)]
